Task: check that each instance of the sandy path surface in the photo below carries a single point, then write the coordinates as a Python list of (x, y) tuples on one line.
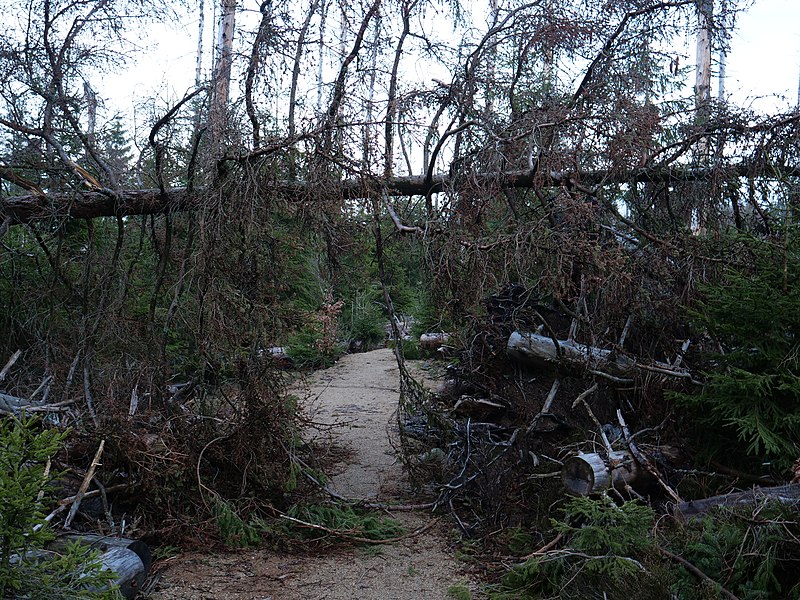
[(360, 393)]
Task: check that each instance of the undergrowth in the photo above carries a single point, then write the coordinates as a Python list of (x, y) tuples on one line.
[(748, 405), (307, 523), (615, 551), (27, 568)]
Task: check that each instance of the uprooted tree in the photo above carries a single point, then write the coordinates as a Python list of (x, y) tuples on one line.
[(559, 172)]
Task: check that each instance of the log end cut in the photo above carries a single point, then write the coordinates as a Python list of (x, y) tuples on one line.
[(585, 474)]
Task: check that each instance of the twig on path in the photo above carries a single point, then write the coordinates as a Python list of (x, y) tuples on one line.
[(346, 535)]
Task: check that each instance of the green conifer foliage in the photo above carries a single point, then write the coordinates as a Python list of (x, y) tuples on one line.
[(26, 570), (751, 397)]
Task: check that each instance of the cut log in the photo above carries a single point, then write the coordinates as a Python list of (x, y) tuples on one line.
[(129, 560), (590, 473), (787, 494), (540, 350), (432, 341)]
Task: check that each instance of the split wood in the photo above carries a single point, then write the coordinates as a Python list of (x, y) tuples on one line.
[(65, 502), (10, 364)]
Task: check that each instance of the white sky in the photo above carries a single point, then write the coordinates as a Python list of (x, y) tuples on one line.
[(765, 55), (762, 68)]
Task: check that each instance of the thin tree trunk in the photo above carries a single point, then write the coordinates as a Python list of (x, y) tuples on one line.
[(298, 55), (367, 129), (222, 71), (252, 70), (338, 89), (198, 73), (391, 109), (322, 14), (702, 87)]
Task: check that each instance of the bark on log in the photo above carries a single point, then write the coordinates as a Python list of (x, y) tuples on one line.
[(787, 494), (540, 350), (129, 560), (589, 473), (105, 203), (432, 341)]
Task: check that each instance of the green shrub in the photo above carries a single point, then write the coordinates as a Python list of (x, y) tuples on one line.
[(235, 531), (459, 591), (611, 551), (754, 553), (607, 532), (363, 321), (306, 350), (602, 540), (27, 570), (749, 403)]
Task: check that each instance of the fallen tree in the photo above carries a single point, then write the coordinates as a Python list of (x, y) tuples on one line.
[(786, 494), (540, 350), (93, 203)]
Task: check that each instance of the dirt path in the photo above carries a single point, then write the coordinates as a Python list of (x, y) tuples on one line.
[(360, 392)]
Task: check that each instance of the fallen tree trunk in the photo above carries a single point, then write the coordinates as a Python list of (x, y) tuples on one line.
[(85, 204), (787, 494), (540, 350), (129, 560), (590, 473)]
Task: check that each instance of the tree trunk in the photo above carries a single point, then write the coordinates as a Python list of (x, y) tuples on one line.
[(91, 204), (542, 350), (432, 341), (222, 71), (787, 494), (702, 86), (539, 350)]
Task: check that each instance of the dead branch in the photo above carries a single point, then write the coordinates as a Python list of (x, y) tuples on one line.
[(84, 485), (347, 535), (644, 460), (10, 364), (786, 494), (697, 573)]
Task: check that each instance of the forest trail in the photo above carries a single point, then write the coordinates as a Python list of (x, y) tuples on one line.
[(359, 394)]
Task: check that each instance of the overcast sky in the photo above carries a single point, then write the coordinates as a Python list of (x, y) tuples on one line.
[(763, 66), (765, 55)]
